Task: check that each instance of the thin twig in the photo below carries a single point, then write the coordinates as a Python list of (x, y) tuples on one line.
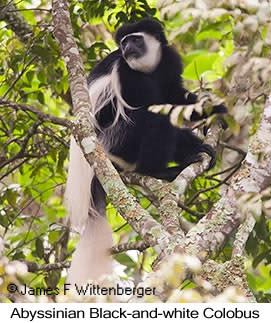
[(41, 115), (34, 267), (10, 171), (188, 210), (19, 76), (29, 9), (137, 245), (239, 150), (224, 181), (23, 145)]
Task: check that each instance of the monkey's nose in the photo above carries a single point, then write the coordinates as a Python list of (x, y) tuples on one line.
[(129, 51)]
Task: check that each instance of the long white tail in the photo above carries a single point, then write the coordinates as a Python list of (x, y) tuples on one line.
[(91, 259)]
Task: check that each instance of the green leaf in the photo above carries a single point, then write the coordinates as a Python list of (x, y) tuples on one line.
[(18, 255), (52, 279), (210, 34), (11, 197), (125, 260), (144, 202), (199, 65), (39, 248), (42, 77), (233, 125), (264, 270), (62, 155), (29, 76), (53, 237), (40, 97)]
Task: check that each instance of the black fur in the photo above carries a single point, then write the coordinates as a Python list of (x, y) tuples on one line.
[(147, 25), (149, 140)]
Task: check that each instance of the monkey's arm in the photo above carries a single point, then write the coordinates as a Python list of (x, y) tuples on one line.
[(180, 96), (216, 109)]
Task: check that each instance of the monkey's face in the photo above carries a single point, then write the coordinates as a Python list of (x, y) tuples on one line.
[(133, 45), (141, 51)]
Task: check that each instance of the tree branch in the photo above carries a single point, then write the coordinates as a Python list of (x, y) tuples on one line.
[(137, 245), (34, 267), (242, 235), (45, 117), (230, 273), (15, 20)]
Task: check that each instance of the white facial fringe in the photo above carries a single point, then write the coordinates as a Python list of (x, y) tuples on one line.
[(107, 89)]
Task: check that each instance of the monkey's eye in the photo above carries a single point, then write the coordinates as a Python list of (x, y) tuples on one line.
[(137, 40), (124, 42)]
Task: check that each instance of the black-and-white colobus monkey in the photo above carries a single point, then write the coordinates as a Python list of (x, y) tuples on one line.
[(143, 71)]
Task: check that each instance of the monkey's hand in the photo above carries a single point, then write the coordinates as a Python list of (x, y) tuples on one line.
[(205, 148)]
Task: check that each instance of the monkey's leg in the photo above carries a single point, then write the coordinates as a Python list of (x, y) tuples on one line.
[(188, 148), (98, 196)]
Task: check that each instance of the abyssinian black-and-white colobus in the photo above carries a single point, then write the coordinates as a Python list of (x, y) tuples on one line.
[(143, 71)]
